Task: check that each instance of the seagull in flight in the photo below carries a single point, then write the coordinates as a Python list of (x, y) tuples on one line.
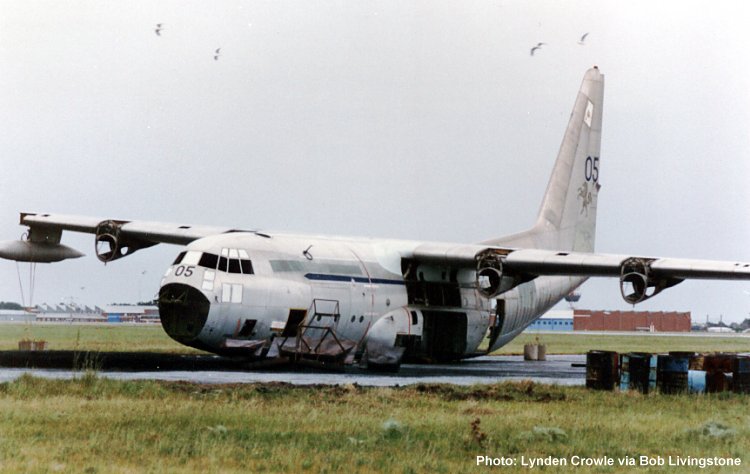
[(538, 46), (158, 29), (583, 38), (216, 54)]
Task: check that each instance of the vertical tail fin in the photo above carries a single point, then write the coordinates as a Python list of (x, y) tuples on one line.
[(567, 216)]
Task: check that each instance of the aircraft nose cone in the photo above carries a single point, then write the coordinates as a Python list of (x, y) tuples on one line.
[(183, 311)]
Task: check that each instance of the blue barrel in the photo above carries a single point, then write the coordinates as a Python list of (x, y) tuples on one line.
[(635, 372), (602, 370), (624, 372), (741, 374), (672, 373), (697, 381)]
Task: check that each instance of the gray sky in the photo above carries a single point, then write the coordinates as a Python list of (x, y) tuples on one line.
[(419, 120)]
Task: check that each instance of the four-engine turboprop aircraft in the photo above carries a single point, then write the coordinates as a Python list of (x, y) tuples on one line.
[(265, 294)]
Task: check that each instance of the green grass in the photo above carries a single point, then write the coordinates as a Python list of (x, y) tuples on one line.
[(89, 337), (127, 337), (92, 424), (580, 343)]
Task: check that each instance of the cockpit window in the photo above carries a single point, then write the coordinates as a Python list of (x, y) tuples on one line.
[(179, 258), (208, 260), (233, 264), (247, 266), (191, 258)]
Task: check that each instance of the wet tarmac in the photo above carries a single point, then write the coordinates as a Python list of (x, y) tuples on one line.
[(557, 369)]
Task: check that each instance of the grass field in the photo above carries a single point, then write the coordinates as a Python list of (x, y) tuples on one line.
[(92, 424), (92, 337), (580, 343), (127, 337)]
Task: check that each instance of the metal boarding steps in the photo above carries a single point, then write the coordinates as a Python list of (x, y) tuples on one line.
[(316, 340)]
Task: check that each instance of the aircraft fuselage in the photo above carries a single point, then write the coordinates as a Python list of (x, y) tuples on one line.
[(254, 287)]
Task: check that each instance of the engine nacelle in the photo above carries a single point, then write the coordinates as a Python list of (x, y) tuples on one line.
[(491, 280), (110, 245), (637, 282)]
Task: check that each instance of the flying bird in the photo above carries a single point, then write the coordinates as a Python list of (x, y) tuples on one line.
[(583, 38), (538, 46), (158, 29), (216, 54)]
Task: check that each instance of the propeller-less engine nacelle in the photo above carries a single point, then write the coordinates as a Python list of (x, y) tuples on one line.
[(637, 282), (491, 280), (111, 245)]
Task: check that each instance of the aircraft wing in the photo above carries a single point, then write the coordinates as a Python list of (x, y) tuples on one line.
[(499, 269), (114, 238)]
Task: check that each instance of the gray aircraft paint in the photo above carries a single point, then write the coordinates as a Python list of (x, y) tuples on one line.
[(494, 288)]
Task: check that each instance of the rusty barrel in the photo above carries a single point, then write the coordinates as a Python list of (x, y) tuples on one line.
[(636, 372), (718, 369), (741, 374), (602, 370), (672, 373)]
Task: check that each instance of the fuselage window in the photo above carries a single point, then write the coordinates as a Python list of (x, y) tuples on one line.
[(286, 266)]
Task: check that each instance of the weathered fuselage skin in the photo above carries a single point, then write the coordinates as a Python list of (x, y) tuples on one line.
[(359, 280)]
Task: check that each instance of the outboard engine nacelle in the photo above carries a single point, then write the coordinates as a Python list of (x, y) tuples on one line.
[(637, 282), (110, 245)]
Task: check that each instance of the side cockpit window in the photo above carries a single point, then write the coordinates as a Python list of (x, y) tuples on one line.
[(247, 267), (179, 258)]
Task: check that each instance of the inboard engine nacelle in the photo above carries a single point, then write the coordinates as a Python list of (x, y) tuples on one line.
[(491, 278)]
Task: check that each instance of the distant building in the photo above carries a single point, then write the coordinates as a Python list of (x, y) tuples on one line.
[(648, 321), (16, 315), (131, 314), (71, 313), (553, 321)]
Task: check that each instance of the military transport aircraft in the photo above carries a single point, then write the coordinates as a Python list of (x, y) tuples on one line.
[(380, 302)]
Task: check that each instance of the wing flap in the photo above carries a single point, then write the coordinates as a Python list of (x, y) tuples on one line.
[(548, 262), (700, 269), (539, 262)]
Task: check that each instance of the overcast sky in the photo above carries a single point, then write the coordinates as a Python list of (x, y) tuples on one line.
[(403, 119)]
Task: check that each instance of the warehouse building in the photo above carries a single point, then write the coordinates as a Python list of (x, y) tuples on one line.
[(647, 321), (590, 320)]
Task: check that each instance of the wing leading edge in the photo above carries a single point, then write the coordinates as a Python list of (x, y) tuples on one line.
[(500, 269), (114, 238)]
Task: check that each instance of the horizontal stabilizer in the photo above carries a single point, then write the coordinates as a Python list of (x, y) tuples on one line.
[(41, 252)]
